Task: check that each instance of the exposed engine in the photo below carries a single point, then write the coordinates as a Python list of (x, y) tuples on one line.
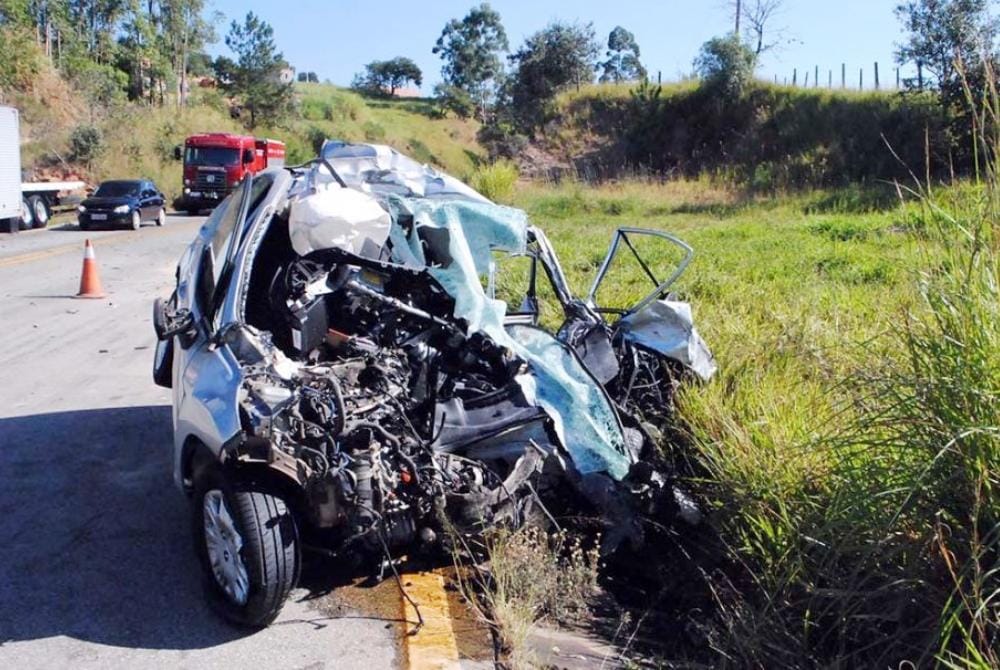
[(373, 412)]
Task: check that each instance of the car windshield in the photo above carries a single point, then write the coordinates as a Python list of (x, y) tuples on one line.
[(215, 156), (117, 189)]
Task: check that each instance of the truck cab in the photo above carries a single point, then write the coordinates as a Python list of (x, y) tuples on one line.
[(215, 163)]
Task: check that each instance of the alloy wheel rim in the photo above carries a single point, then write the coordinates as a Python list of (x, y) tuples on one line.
[(223, 543), (41, 216)]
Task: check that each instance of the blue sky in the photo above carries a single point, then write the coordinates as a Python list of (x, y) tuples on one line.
[(335, 38)]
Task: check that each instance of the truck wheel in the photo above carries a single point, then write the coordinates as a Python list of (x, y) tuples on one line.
[(161, 217), (39, 211), (136, 220), (247, 541), (26, 219)]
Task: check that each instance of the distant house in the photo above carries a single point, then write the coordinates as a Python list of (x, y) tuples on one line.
[(408, 92)]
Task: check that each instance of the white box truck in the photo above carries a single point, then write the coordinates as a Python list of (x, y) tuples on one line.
[(23, 204)]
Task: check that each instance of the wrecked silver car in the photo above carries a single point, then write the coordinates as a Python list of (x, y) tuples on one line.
[(346, 377)]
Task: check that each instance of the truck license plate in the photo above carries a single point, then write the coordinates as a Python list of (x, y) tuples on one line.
[(99, 217)]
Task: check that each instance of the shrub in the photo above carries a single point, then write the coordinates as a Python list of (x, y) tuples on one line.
[(496, 181), (726, 65), (85, 144)]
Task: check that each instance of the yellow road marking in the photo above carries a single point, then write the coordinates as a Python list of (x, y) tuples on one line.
[(434, 647)]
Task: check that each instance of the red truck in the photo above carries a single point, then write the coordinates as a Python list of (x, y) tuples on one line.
[(214, 163)]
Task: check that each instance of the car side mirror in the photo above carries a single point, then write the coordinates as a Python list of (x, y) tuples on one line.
[(167, 322), (177, 152), (248, 155)]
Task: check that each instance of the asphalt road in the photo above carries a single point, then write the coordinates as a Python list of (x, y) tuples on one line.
[(96, 565)]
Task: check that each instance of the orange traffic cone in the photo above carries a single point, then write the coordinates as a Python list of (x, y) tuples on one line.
[(90, 279)]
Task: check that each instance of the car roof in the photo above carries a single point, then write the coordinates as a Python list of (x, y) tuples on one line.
[(123, 181)]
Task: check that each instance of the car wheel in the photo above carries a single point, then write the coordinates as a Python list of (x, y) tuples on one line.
[(136, 220), (193, 212), (161, 217), (39, 211), (83, 225), (247, 541), (26, 220)]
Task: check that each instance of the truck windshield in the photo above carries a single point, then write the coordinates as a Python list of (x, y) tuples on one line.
[(215, 156), (117, 189)]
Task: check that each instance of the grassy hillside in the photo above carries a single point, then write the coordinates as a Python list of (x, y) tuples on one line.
[(771, 136), (138, 140), (414, 127)]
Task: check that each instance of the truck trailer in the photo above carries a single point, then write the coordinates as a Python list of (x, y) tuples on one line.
[(23, 204)]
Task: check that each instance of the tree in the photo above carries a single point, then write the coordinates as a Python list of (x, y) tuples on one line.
[(551, 60), (383, 77), (255, 75), (455, 100), (943, 31), (726, 63), (471, 50), (623, 58)]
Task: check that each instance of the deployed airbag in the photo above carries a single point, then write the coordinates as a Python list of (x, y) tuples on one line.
[(335, 217)]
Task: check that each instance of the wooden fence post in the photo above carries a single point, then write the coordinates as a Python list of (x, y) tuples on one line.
[(816, 77), (861, 79), (897, 79), (876, 76), (829, 79), (843, 75), (806, 83), (795, 76), (920, 75)]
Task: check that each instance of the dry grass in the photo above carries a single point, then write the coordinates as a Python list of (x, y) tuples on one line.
[(528, 576)]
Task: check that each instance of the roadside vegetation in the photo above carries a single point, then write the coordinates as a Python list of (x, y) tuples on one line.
[(848, 453)]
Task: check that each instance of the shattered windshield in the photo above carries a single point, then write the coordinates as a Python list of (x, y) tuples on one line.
[(211, 156)]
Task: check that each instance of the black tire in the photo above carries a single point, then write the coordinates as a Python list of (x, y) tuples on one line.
[(40, 212), (82, 225), (270, 549), (192, 212), (26, 220)]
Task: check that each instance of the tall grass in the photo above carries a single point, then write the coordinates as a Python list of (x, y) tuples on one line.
[(866, 531), (495, 180)]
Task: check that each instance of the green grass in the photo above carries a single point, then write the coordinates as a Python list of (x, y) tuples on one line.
[(412, 126), (852, 348)]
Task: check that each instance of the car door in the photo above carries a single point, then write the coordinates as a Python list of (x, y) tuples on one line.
[(206, 376), (147, 202)]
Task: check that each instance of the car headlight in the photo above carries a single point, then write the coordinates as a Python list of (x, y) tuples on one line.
[(121, 209), (187, 182), (81, 209)]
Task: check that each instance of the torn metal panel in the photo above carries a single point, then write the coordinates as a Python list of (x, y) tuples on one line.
[(667, 328)]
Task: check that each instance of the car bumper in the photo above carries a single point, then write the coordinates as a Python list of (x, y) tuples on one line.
[(104, 218), (192, 199)]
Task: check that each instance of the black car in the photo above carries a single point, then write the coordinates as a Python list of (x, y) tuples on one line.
[(124, 201)]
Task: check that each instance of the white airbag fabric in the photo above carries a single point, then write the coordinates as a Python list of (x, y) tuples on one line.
[(335, 217)]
